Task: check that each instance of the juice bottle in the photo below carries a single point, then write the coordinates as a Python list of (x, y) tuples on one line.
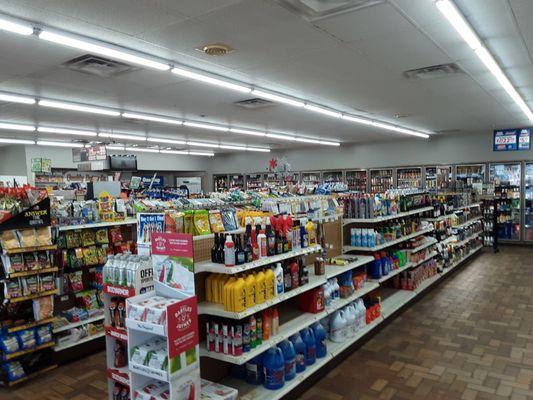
[(260, 288), (238, 295), (270, 284), (250, 290)]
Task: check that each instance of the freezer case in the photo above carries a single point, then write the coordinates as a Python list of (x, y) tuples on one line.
[(507, 192), (528, 202)]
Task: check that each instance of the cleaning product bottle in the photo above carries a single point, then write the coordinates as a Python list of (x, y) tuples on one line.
[(270, 283), (303, 273), (260, 288), (262, 243), (295, 278), (299, 348), (289, 357), (267, 325), (258, 330), (337, 326), (254, 371), (278, 274), (250, 290), (229, 252), (308, 338), (238, 295), (227, 297), (275, 321), (253, 332), (311, 233), (349, 314), (274, 368), (320, 339)]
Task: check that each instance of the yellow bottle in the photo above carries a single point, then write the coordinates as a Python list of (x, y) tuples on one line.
[(221, 281), (238, 295), (250, 290), (209, 288), (260, 288), (269, 284), (226, 294), (311, 233)]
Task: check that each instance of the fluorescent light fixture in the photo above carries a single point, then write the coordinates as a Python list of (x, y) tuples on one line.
[(258, 149), (305, 140), (153, 118), (16, 141), (206, 126), (202, 144), (456, 19), (454, 16), (231, 147), (399, 129), (201, 153), (63, 131), (142, 149), (208, 79), (357, 120), (169, 141), (278, 98), (59, 144), (174, 152), (326, 143), (95, 47), (324, 111), (247, 132), (122, 136), (14, 27), (77, 107), (281, 137), (121, 148), (12, 98), (16, 127)]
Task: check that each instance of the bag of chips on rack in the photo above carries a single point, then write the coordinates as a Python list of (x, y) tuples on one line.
[(43, 308), (13, 289), (14, 371), (115, 234), (76, 281), (27, 238), (43, 260), (201, 223), (44, 236), (101, 253), (215, 221), (188, 222), (88, 237), (229, 220), (31, 262), (101, 236), (43, 334), (47, 282), (9, 344), (73, 239), (30, 285), (90, 256), (26, 339), (9, 240)]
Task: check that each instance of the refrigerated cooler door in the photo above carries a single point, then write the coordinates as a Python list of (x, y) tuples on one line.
[(507, 181), (528, 209)]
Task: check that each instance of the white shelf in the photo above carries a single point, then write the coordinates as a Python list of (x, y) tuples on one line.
[(218, 309), (464, 241), (429, 242), (127, 221), (336, 348), (472, 205), (147, 327), (390, 243), (396, 301), (79, 323), (469, 222), (86, 339), (455, 264), (334, 270), (208, 266), (289, 328), (427, 283), (391, 274), (349, 221)]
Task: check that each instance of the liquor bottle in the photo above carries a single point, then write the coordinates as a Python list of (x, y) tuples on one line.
[(220, 249), (279, 244), (271, 239), (248, 251), (240, 255), (214, 249)]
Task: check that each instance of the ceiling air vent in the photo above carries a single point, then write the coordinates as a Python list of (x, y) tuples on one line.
[(253, 104), (99, 66), (433, 72), (313, 10)]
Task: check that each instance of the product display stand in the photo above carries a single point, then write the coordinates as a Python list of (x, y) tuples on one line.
[(143, 282)]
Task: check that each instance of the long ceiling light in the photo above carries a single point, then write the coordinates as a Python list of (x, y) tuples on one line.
[(324, 111), (77, 107), (11, 98), (206, 126), (168, 141), (16, 127), (59, 144), (14, 27), (16, 141), (246, 132), (142, 149), (211, 80), (152, 118), (135, 138), (277, 98), (98, 48), (63, 131), (461, 25), (201, 153)]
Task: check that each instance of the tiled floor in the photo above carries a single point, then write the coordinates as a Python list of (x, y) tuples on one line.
[(471, 337)]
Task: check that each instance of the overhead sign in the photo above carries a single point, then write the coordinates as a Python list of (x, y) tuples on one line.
[(512, 139), (93, 153), (150, 180)]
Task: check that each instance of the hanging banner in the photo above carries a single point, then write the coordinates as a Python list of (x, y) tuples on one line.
[(512, 139), (36, 216), (147, 225)]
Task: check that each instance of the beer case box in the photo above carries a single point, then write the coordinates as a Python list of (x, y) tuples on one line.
[(216, 391)]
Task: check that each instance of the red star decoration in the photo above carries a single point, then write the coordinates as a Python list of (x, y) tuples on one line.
[(273, 164)]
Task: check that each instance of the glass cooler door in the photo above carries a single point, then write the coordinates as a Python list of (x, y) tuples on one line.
[(528, 209), (507, 181)]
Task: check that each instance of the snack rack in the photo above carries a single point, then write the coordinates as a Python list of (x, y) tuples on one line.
[(117, 336), (31, 260)]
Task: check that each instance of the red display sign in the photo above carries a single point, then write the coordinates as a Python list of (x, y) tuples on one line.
[(182, 321), (172, 244)]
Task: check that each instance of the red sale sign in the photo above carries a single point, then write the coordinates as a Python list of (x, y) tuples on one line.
[(182, 320)]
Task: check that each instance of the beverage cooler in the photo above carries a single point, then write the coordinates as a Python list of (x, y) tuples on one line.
[(528, 204), (507, 180), (470, 176), (254, 181), (409, 178), (438, 177), (357, 180), (220, 183), (332, 176), (236, 181), (381, 180)]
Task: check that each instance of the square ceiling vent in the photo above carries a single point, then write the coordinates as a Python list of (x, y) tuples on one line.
[(313, 10), (99, 66)]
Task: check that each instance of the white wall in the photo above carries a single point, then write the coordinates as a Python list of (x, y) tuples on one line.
[(12, 160), (450, 149)]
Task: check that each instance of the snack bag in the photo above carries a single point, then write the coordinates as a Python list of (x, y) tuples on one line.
[(215, 221), (101, 236), (27, 238), (228, 218), (88, 237), (47, 282), (31, 262), (73, 239), (44, 236), (9, 240), (188, 222), (90, 255), (76, 281), (43, 334), (201, 222), (43, 260), (43, 308), (116, 235)]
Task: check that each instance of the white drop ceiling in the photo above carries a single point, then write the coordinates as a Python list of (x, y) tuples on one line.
[(352, 61)]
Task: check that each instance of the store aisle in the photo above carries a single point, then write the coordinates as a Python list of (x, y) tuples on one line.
[(471, 337)]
